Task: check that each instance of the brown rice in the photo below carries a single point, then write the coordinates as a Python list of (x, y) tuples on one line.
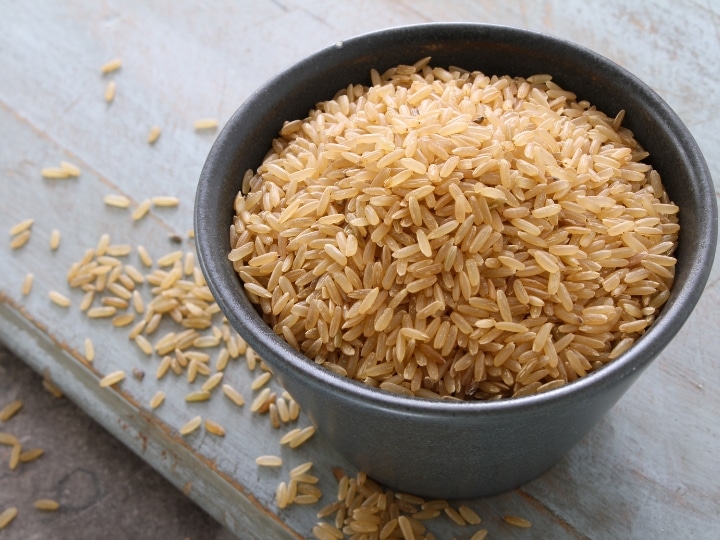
[(439, 233), (10, 410)]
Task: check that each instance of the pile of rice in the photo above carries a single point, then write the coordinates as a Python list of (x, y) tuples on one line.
[(447, 234)]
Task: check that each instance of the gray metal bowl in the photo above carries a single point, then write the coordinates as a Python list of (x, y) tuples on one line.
[(439, 448)]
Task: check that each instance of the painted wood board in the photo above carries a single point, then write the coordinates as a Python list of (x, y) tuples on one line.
[(648, 467)]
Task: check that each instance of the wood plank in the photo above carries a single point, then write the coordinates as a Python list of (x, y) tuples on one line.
[(647, 467)]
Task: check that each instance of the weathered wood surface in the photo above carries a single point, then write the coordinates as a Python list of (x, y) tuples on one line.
[(649, 467)]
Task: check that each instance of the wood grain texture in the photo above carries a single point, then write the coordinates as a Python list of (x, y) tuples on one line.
[(649, 466)]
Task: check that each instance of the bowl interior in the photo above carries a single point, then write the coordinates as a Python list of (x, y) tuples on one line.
[(246, 138)]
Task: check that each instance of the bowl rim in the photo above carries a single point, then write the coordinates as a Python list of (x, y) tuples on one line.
[(261, 337)]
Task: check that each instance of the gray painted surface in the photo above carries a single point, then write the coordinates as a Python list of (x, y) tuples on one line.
[(648, 467)]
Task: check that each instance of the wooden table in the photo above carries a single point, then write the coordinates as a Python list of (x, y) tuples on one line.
[(649, 468)]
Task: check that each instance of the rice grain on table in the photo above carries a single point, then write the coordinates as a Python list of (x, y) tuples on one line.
[(517, 521), (260, 400), (212, 382), (157, 399), (302, 436), (205, 123), (269, 461), (47, 505), (191, 425), (289, 436), (144, 256), (123, 319), (141, 210), (110, 66), (59, 299), (27, 456), (15, 457), (163, 367), (481, 534), (8, 439), (49, 385), (112, 378), (154, 134), (165, 201), (21, 226), (261, 380), (19, 240), (233, 395), (7, 515), (54, 172), (70, 168), (27, 284), (214, 428), (465, 226), (144, 345), (469, 515), (10, 410), (198, 395), (54, 239), (89, 350), (118, 201), (169, 259), (110, 91)]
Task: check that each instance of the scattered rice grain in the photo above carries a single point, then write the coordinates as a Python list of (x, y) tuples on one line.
[(517, 521), (89, 350), (112, 378), (269, 461), (205, 123), (191, 425), (59, 299), (27, 284), (154, 134), (112, 65), (118, 201), (48, 505), (10, 410)]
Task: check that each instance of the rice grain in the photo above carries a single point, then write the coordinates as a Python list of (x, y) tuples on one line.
[(112, 378), (154, 134), (191, 425), (517, 521), (89, 350), (27, 284), (28, 456), (21, 226), (165, 201), (157, 399), (269, 461), (205, 124), (141, 210), (10, 410), (233, 395), (59, 299), (7, 515), (302, 436), (54, 173), (118, 201), (54, 239), (19, 240), (110, 91), (70, 168), (111, 66), (47, 505), (214, 428)]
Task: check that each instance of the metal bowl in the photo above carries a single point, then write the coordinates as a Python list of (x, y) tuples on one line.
[(440, 448)]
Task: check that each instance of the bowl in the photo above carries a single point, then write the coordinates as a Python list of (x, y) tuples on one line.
[(441, 448)]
